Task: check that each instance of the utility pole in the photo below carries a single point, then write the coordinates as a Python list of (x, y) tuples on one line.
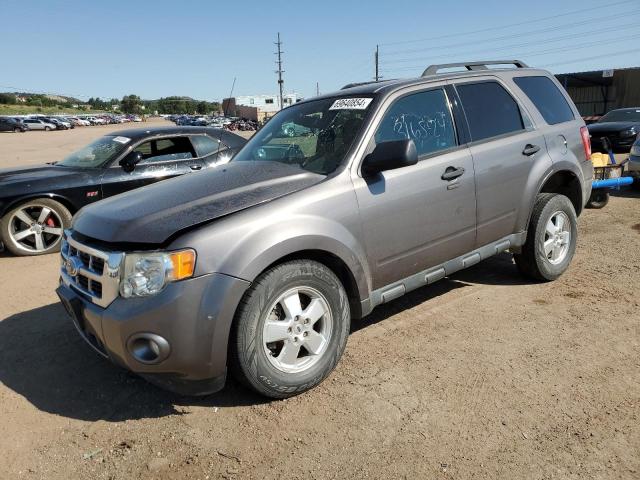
[(317, 89), (280, 71), (225, 111), (377, 63)]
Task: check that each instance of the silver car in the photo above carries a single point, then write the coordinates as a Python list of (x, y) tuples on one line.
[(37, 124), (338, 204)]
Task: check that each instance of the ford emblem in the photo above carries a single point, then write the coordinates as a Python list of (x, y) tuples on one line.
[(72, 266)]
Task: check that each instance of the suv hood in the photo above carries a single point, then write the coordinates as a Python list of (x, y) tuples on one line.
[(154, 213)]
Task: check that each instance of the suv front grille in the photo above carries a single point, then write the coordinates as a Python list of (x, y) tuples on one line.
[(92, 272)]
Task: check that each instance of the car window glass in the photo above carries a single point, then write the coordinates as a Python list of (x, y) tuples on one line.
[(422, 117), (490, 110), (167, 149), (545, 95), (205, 145)]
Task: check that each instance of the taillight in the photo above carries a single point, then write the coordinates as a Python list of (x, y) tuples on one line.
[(586, 142)]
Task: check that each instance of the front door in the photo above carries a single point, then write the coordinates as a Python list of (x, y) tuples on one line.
[(162, 158), (422, 215)]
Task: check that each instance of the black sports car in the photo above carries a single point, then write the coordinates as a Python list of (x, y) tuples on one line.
[(620, 127), (36, 203)]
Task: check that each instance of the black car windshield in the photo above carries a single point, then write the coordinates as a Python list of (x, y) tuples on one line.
[(97, 153), (315, 135), (624, 115)]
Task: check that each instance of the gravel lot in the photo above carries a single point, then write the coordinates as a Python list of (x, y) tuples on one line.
[(484, 375)]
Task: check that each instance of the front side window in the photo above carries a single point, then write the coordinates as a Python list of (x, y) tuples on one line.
[(165, 150), (422, 117), (205, 145), (549, 101), (490, 110), (314, 135)]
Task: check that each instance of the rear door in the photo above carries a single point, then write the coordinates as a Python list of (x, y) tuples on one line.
[(162, 158), (505, 148)]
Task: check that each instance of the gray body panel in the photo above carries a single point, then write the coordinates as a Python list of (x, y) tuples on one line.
[(393, 232)]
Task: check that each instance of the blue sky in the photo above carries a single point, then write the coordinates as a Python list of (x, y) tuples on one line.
[(196, 47)]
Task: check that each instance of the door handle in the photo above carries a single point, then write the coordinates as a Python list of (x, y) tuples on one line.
[(530, 149), (451, 173), (195, 167)]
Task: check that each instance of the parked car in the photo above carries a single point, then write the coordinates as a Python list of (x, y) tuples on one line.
[(620, 127), (633, 167), (37, 124), (258, 267), (59, 123), (36, 203), (8, 124)]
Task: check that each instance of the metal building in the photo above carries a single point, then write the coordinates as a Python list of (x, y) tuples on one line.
[(597, 92)]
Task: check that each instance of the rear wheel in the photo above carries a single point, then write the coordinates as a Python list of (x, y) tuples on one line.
[(290, 330), (35, 227), (598, 199), (551, 238), (46, 129)]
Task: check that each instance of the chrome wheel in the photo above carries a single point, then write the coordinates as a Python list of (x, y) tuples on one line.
[(35, 228), (297, 329), (557, 238)]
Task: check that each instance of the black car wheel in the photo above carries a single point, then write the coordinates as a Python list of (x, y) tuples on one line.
[(290, 330), (35, 227), (598, 199), (16, 130), (46, 129)]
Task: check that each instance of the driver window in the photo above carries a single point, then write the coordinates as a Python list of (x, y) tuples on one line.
[(422, 117), (165, 149)]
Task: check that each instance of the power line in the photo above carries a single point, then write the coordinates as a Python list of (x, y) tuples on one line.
[(507, 47), (593, 57), (501, 27), (280, 71), (588, 21)]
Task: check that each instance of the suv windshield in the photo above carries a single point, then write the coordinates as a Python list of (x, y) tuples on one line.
[(626, 115), (315, 135), (97, 153)]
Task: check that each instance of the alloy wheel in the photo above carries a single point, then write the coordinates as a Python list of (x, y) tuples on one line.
[(557, 237), (35, 228)]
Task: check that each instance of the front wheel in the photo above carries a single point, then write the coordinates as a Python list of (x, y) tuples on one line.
[(46, 129), (551, 238), (290, 330), (35, 227)]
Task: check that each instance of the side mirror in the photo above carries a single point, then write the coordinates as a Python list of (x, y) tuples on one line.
[(390, 155), (129, 162)]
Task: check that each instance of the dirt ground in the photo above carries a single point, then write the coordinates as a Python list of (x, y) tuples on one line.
[(485, 375)]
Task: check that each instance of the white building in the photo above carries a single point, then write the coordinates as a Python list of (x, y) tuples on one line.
[(268, 103)]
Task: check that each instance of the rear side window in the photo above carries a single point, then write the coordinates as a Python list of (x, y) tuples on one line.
[(490, 110), (205, 145), (422, 117), (549, 101)]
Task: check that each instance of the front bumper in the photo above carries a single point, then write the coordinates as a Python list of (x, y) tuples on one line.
[(194, 317)]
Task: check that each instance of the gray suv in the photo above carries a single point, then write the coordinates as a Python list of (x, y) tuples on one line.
[(259, 265)]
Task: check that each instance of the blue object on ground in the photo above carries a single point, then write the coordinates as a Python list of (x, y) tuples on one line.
[(612, 182)]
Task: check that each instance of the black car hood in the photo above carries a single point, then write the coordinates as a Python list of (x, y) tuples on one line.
[(31, 179), (605, 127), (154, 213)]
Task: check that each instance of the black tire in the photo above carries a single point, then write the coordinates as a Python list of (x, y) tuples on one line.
[(533, 261), (16, 130), (248, 354), (62, 217), (598, 199), (46, 129)]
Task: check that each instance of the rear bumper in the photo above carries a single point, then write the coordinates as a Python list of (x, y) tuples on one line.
[(193, 317)]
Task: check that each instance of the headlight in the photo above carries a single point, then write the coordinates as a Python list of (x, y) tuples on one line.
[(629, 132), (148, 273)]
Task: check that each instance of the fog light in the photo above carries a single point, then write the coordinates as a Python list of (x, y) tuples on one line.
[(148, 348)]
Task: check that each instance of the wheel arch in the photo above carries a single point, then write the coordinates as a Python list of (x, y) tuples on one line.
[(567, 183), (64, 201)]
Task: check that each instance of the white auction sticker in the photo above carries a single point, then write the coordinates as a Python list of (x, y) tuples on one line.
[(121, 140), (351, 104)]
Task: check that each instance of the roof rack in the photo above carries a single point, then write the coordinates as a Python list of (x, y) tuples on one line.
[(359, 84), (433, 69)]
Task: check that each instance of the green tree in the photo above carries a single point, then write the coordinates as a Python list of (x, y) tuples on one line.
[(130, 104), (8, 98)]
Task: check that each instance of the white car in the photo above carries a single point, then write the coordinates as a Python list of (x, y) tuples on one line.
[(81, 121), (36, 124)]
